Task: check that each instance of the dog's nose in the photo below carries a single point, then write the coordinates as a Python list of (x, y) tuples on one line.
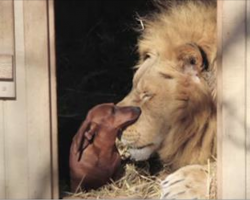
[(137, 109)]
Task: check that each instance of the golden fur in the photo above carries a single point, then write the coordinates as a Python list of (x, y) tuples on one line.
[(175, 85)]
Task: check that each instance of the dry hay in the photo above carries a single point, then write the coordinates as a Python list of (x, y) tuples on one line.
[(212, 177), (138, 182)]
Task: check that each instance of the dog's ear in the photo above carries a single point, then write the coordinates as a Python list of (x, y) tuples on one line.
[(79, 136), (192, 59), (84, 137), (89, 134)]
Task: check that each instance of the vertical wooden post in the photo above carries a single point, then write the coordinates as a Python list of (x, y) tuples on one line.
[(219, 98), (53, 101), (6, 48), (233, 100), (28, 128), (2, 154), (15, 129), (248, 103)]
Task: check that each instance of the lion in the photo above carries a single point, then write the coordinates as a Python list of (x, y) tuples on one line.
[(175, 87)]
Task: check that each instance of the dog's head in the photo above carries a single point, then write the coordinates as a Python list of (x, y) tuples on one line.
[(112, 116)]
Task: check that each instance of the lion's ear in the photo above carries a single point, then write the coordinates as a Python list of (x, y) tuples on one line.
[(191, 58)]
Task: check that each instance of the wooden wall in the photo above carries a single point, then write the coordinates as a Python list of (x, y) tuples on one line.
[(234, 99), (28, 136)]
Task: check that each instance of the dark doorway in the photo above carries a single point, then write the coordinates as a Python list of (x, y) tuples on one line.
[(96, 50)]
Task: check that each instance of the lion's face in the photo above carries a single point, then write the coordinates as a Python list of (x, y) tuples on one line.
[(167, 91), (175, 86), (148, 83)]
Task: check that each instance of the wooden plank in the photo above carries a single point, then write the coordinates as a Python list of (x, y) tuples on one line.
[(248, 104), (6, 48), (37, 85), (6, 28), (53, 103), (233, 152), (16, 150), (2, 153), (7, 90), (219, 100), (6, 67), (26, 168)]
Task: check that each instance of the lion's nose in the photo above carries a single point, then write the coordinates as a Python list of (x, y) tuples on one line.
[(127, 101), (122, 103)]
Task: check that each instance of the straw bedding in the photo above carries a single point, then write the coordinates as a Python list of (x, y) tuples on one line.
[(139, 180)]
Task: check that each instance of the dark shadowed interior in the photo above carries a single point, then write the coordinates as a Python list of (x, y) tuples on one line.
[(96, 50)]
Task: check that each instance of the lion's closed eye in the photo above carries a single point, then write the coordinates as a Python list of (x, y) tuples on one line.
[(146, 95), (166, 76), (146, 56)]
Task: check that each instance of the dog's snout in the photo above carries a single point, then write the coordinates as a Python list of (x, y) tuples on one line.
[(137, 110), (131, 109)]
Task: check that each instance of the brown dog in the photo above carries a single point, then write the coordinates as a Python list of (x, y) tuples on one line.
[(94, 158)]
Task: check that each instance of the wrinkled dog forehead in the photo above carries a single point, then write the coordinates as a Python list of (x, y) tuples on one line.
[(100, 111)]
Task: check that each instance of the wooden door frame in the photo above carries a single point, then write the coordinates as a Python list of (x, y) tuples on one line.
[(233, 99), (53, 99)]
